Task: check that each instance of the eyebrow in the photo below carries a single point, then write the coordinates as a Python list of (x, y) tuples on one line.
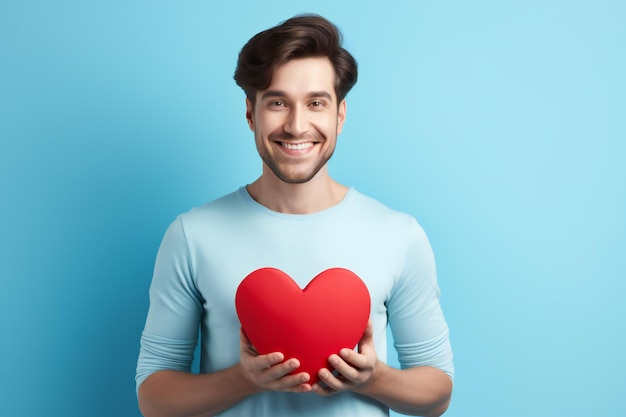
[(278, 93)]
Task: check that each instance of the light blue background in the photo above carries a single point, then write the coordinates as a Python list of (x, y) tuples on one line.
[(499, 125)]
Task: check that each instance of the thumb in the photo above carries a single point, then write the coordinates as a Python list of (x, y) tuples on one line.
[(368, 336)]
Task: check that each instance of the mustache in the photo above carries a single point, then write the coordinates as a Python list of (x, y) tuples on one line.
[(285, 136)]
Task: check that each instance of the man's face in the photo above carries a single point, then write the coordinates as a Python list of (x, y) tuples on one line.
[(296, 120)]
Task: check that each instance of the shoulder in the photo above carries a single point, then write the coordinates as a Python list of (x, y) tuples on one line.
[(381, 215), (210, 219), (222, 207)]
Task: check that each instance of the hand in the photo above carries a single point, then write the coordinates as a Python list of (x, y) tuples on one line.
[(269, 372), (355, 370)]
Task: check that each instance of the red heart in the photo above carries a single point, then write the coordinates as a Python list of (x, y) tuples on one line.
[(331, 313)]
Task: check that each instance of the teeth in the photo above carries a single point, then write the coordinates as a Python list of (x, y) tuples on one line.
[(297, 146)]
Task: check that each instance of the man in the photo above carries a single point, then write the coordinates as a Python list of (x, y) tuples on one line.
[(294, 217)]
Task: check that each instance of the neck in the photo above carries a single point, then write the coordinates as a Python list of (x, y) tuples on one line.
[(318, 194)]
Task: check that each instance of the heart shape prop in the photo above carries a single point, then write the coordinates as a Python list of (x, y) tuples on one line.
[(331, 313)]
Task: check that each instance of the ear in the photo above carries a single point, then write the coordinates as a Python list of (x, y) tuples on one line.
[(341, 116), (250, 114)]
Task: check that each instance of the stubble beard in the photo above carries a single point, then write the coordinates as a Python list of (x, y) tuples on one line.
[(295, 176)]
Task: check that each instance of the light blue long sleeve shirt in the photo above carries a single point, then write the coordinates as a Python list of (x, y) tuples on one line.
[(207, 252)]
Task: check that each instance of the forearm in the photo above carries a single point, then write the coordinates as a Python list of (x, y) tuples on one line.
[(180, 394), (422, 391)]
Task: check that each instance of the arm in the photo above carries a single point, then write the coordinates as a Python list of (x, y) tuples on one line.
[(175, 393), (421, 390), (424, 384), (166, 386)]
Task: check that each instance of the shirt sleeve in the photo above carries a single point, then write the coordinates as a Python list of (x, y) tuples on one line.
[(171, 331), (419, 329)]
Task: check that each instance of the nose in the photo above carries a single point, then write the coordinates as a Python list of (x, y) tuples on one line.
[(297, 122)]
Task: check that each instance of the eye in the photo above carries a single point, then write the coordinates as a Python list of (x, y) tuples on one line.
[(317, 103), (277, 103)]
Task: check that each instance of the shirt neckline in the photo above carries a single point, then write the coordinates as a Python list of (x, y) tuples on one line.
[(251, 202)]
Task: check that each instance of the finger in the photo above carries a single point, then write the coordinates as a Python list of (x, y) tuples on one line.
[(347, 370), (302, 388), (258, 362), (291, 383), (243, 337), (245, 343), (271, 361), (279, 370), (322, 390), (352, 358), (332, 382), (368, 335)]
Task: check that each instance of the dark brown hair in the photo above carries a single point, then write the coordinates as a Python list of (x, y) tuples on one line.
[(302, 36)]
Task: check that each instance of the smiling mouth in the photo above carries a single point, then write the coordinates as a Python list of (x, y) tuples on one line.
[(297, 146)]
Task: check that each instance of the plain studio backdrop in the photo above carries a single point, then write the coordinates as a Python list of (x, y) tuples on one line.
[(501, 126)]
